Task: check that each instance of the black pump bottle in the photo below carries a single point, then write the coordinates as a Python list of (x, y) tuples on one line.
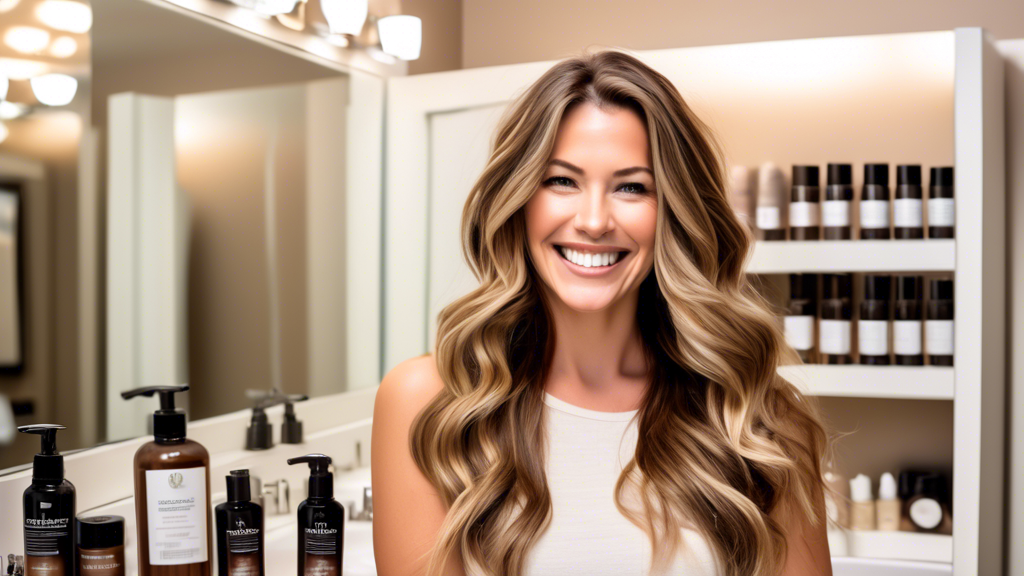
[(49, 510), (321, 521), (239, 530)]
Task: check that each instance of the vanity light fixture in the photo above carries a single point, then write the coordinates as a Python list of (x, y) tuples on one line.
[(54, 89), (27, 39), (345, 16), (401, 36), (63, 47), (296, 19), (11, 110), (65, 15), (8, 5)]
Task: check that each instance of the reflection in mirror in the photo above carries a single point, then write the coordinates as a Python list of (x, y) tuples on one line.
[(207, 210)]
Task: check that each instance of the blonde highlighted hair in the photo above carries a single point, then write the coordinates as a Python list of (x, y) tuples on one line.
[(724, 441)]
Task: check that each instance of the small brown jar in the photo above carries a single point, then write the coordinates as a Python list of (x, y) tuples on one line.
[(100, 545)]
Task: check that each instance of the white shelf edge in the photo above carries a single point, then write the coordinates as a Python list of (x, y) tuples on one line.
[(859, 381), (911, 546), (852, 256)]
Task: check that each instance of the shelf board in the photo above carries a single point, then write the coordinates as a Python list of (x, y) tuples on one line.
[(899, 545), (858, 381), (852, 256)]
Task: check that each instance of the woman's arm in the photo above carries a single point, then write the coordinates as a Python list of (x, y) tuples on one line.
[(407, 510), (806, 544)]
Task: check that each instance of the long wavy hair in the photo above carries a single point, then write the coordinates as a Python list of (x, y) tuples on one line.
[(723, 440)]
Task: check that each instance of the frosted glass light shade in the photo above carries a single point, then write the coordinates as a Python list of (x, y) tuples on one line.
[(345, 16), (401, 36), (54, 89), (65, 15), (63, 47), (11, 110), (26, 39)]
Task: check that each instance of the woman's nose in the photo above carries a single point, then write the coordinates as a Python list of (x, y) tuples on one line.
[(592, 214)]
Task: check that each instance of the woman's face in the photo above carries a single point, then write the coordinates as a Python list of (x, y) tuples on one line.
[(590, 224)]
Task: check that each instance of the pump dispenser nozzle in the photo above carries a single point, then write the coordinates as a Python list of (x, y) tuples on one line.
[(48, 465), (321, 481), (168, 421)]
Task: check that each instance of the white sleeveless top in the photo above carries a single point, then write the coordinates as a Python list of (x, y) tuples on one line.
[(587, 450)]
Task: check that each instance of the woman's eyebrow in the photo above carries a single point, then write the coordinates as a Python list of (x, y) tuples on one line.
[(616, 174)]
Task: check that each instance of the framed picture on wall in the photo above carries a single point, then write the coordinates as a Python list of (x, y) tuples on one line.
[(12, 313)]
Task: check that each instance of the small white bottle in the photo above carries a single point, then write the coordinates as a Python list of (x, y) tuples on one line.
[(887, 508), (862, 507)]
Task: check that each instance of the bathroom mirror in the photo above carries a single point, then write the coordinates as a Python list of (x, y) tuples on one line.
[(208, 212)]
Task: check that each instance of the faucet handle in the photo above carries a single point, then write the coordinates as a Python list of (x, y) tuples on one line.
[(280, 492), (368, 502)]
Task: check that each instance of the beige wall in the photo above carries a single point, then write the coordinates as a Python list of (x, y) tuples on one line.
[(442, 34)]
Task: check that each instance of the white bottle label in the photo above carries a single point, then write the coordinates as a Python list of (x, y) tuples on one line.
[(906, 337), (940, 212), (800, 332), (938, 337), (835, 213), (769, 218), (874, 213), (835, 337), (926, 513), (873, 337), (177, 509), (907, 212), (803, 214)]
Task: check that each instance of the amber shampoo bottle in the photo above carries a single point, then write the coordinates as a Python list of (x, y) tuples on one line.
[(321, 521), (172, 494)]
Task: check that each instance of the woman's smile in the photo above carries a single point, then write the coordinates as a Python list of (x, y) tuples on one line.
[(599, 261)]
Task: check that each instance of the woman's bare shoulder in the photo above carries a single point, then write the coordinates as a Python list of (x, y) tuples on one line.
[(409, 386)]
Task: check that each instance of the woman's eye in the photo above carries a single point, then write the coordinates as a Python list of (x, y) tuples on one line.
[(559, 181), (634, 188)]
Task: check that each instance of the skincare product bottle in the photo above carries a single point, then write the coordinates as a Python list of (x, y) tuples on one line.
[(321, 521), (239, 530), (907, 207), (799, 320), (100, 545), (906, 326), (172, 494), (874, 203), (927, 508), (938, 328), (49, 508), (836, 313), (941, 214), (835, 211), (905, 491), (873, 326), (804, 206), (741, 194), (862, 507), (771, 201), (887, 507)]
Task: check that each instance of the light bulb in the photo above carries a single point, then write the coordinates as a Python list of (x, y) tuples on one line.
[(63, 47), (8, 5), (65, 15), (11, 110), (26, 39), (345, 16), (19, 69), (401, 36), (54, 89)]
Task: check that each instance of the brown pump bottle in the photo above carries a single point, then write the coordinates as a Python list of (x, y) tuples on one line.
[(172, 494)]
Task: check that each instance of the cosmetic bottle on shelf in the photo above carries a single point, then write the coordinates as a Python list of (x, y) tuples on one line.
[(941, 213), (907, 207), (907, 324), (862, 507), (771, 201), (741, 194), (804, 204), (835, 210), (799, 319), (927, 509), (836, 314), (874, 203), (887, 507), (938, 327), (873, 325)]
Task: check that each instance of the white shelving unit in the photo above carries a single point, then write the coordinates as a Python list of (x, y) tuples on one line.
[(859, 99)]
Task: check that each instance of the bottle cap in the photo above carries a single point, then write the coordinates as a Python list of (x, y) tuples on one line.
[(238, 486), (860, 488), (909, 174), (48, 465), (876, 174), (908, 287), (806, 176), (908, 479), (940, 289), (840, 174), (941, 175), (877, 287), (836, 286), (321, 481), (168, 422), (99, 532), (803, 287), (887, 487), (932, 485), (771, 186)]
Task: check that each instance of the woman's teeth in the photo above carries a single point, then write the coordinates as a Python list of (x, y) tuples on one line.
[(589, 259)]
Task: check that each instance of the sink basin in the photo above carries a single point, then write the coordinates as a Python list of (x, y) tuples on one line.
[(842, 566)]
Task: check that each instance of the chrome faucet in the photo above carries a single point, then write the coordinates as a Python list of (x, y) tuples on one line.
[(366, 514), (279, 492)]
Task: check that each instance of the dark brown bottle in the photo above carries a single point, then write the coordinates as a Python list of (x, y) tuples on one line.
[(836, 313), (239, 530), (941, 213), (804, 205), (100, 541), (800, 317), (907, 324), (907, 208), (172, 494), (938, 328), (874, 203), (835, 211), (49, 506), (873, 326), (321, 521)]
